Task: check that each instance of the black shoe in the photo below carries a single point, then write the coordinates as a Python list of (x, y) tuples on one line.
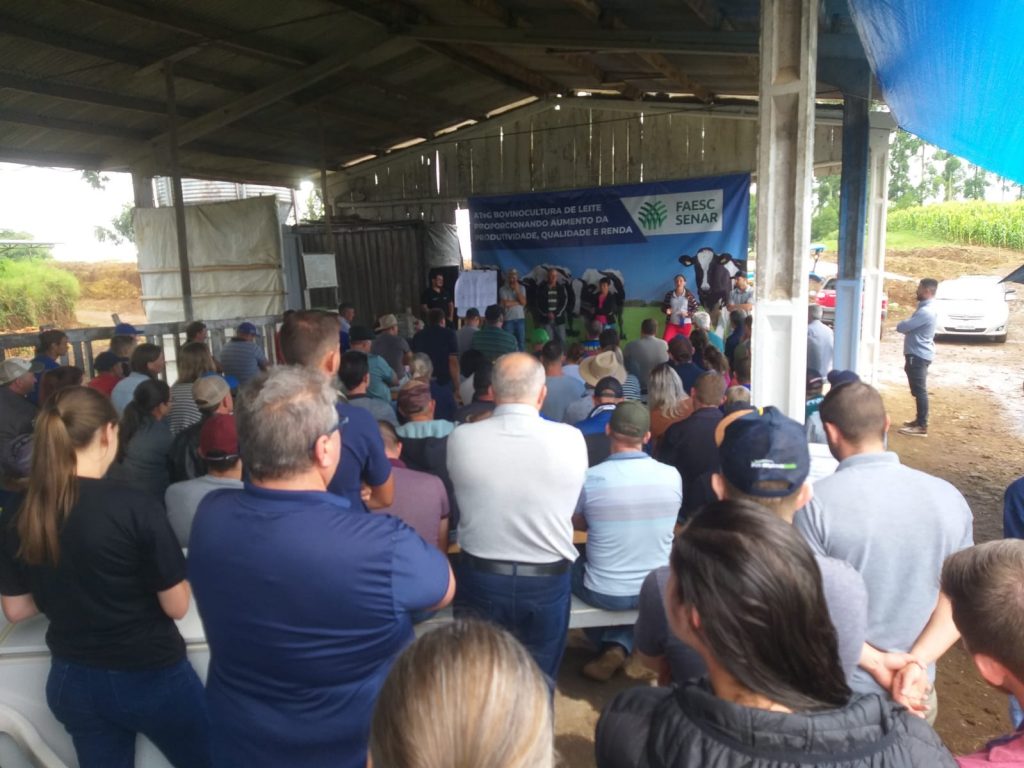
[(915, 431), (912, 423)]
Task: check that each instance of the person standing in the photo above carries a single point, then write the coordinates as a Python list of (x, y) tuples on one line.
[(820, 341), (562, 390), (553, 305), (296, 659), (100, 560), (389, 345), (439, 344), (679, 305), (918, 351), (512, 297), (516, 536), (492, 341), (643, 354), (470, 325), (742, 295), (437, 297)]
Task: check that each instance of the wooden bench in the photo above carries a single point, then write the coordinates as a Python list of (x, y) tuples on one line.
[(581, 616)]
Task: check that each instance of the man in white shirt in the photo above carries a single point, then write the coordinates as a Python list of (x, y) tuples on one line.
[(516, 512)]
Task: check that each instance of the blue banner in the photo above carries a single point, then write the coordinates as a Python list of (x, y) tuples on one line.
[(637, 232)]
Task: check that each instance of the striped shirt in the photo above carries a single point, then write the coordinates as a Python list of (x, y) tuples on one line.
[(184, 411), (242, 359), (630, 503), (493, 342)]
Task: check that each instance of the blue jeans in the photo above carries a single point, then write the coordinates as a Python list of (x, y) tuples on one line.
[(917, 376), (601, 636), (534, 609), (103, 709), (518, 329)]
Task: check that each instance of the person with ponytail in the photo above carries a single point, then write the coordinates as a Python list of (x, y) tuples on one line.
[(746, 594), (194, 361), (144, 440), (101, 562)]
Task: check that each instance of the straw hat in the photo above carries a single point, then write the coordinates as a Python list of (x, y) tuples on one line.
[(608, 363)]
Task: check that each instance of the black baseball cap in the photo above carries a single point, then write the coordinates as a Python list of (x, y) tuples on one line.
[(765, 446)]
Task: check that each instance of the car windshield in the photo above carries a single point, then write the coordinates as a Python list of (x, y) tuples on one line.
[(969, 290)]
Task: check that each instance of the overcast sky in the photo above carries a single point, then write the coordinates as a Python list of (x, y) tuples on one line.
[(57, 205)]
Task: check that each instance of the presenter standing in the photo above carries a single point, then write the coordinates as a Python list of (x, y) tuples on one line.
[(512, 297), (679, 305)]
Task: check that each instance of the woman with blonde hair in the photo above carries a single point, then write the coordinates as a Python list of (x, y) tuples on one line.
[(666, 401), (194, 361), (101, 561), (466, 695)]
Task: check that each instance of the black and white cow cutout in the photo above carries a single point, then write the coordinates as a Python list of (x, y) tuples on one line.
[(714, 275)]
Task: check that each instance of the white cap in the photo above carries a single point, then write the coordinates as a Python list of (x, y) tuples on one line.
[(15, 367)]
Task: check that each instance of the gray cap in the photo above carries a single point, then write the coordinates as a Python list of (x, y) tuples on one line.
[(15, 367)]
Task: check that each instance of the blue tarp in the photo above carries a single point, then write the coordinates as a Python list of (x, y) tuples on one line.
[(950, 71)]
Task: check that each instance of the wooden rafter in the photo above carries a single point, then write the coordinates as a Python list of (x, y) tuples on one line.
[(578, 61), (248, 44), (592, 10)]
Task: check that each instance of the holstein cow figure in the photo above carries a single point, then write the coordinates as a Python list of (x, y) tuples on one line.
[(714, 275)]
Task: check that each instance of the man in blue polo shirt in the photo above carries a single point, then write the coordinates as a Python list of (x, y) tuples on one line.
[(305, 602), (243, 357), (629, 507), (310, 339)]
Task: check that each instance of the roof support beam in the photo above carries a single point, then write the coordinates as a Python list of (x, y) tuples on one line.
[(264, 97), (578, 61), (593, 11), (81, 93), (246, 43)]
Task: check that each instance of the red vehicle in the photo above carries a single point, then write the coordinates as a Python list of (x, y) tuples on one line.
[(826, 299)]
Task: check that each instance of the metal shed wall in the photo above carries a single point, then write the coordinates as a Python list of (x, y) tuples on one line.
[(566, 148)]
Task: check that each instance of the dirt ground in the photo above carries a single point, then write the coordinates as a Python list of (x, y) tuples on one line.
[(974, 442)]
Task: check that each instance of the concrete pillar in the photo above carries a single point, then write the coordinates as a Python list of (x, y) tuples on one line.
[(853, 189), (142, 187), (882, 126), (788, 51)]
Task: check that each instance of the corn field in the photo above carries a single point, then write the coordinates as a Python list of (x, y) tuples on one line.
[(973, 223)]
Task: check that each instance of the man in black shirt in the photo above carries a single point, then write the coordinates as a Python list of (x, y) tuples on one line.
[(436, 297)]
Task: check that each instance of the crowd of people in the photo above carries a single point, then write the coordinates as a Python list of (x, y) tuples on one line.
[(311, 508)]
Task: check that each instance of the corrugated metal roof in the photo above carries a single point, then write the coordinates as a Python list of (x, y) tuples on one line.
[(82, 81)]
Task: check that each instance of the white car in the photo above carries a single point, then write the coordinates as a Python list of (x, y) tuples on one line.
[(974, 305)]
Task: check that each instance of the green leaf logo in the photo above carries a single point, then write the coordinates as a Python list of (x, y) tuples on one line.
[(652, 214)]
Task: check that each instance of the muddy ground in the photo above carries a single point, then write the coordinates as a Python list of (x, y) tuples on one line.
[(974, 442)]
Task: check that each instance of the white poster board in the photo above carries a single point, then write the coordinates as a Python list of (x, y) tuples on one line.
[(321, 270)]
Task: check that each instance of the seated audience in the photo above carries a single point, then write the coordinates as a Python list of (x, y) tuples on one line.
[(680, 352), (607, 393), (482, 404), (122, 347), (562, 390), (297, 657), (470, 325), (144, 440), (592, 344), (218, 448), (109, 371), (52, 346), (492, 340), (667, 401), (421, 500), (715, 361), (310, 339), (737, 321), (468, 362), (736, 398), (100, 560), (573, 358), (59, 378), (382, 377), (196, 332), (643, 354), (628, 507), (630, 383), (812, 406), (983, 584), (355, 377), (702, 321), (421, 369), (741, 372), (17, 412), (243, 356), (538, 338), (212, 396), (746, 593), (416, 406), (440, 344), (689, 445), (388, 344), (466, 694), (147, 364), (699, 341), (194, 361)]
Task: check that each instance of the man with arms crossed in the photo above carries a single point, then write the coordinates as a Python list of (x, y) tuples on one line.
[(868, 513), (516, 512), (305, 601)]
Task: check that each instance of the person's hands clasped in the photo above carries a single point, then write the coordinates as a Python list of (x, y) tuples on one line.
[(912, 688)]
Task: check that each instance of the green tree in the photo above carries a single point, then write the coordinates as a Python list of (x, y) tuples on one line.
[(19, 251), (123, 228), (314, 206), (904, 150), (948, 183), (976, 182), (95, 179), (825, 219)]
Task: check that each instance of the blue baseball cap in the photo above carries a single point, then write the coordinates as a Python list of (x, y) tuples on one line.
[(248, 328), (764, 446), (231, 380), (126, 329)]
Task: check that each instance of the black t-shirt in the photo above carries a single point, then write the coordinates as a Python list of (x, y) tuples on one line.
[(436, 300), (117, 550), (439, 344)]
